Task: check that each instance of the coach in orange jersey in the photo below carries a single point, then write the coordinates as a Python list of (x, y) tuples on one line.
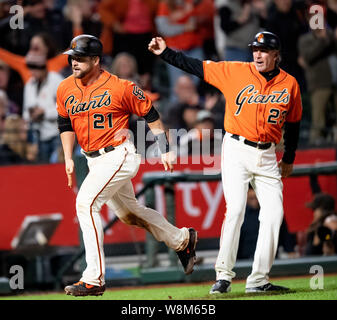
[(261, 100), (95, 106)]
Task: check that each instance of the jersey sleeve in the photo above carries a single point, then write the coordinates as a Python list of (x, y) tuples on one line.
[(60, 107), (135, 100), (295, 112), (216, 73)]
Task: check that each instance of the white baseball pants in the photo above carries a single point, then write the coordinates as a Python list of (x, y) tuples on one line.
[(109, 181), (242, 164)]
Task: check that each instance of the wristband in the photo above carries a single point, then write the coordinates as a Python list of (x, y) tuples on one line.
[(161, 139)]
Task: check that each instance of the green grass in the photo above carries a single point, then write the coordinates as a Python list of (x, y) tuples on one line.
[(300, 290)]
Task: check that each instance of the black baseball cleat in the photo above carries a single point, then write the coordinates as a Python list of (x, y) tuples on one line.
[(267, 288), (221, 286), (187, 256), (84, 289)]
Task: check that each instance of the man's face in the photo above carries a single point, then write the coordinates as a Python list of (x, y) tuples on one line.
[(264, 59), (82, 66), (184, 88)]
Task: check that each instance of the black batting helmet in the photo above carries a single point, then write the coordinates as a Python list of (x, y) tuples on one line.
[(266, 40), (85, 45)]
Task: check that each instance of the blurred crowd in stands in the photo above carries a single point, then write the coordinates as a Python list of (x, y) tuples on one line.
[(320, 239), (32, 66)]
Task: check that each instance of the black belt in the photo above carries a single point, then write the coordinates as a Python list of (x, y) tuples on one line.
[(97, 153), (259, 145)]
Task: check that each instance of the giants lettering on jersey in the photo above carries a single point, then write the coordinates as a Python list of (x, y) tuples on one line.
[(73, 106), (249, 95)]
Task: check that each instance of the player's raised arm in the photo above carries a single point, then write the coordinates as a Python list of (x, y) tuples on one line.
[(191, 65)]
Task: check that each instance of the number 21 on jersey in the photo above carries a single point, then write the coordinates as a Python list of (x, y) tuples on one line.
[(99, 121)]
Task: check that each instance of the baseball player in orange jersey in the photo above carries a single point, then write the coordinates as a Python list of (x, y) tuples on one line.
[(261, 99), (95, 106)]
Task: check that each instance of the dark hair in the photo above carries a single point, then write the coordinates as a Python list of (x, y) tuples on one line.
[(49, 42), (322, 200)]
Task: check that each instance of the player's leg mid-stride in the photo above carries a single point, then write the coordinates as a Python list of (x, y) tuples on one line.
[(187, 258)]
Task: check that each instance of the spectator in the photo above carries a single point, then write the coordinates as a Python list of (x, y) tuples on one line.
[(131, 27), (204, 14), (315, 49), (38, 15), (82, 17), (14, 148), (331, 14), (5, 29), (7, 108), (321, 234), (287, 243), (330, 243), (215, 103), (40, 44), (241, 20), (177, 22), (250, 231), (202, 139), (3, 110), (12, 86), (125, 66), (183, 113), (39, 106), (286, 19), (332, 23)]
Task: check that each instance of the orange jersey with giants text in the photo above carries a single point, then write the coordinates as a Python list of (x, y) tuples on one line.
[(100, 112), (255, 108)]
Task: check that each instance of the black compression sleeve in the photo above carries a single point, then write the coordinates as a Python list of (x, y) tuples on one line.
[(181, 61), (64, 124), (152, 115), (291, 136)]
